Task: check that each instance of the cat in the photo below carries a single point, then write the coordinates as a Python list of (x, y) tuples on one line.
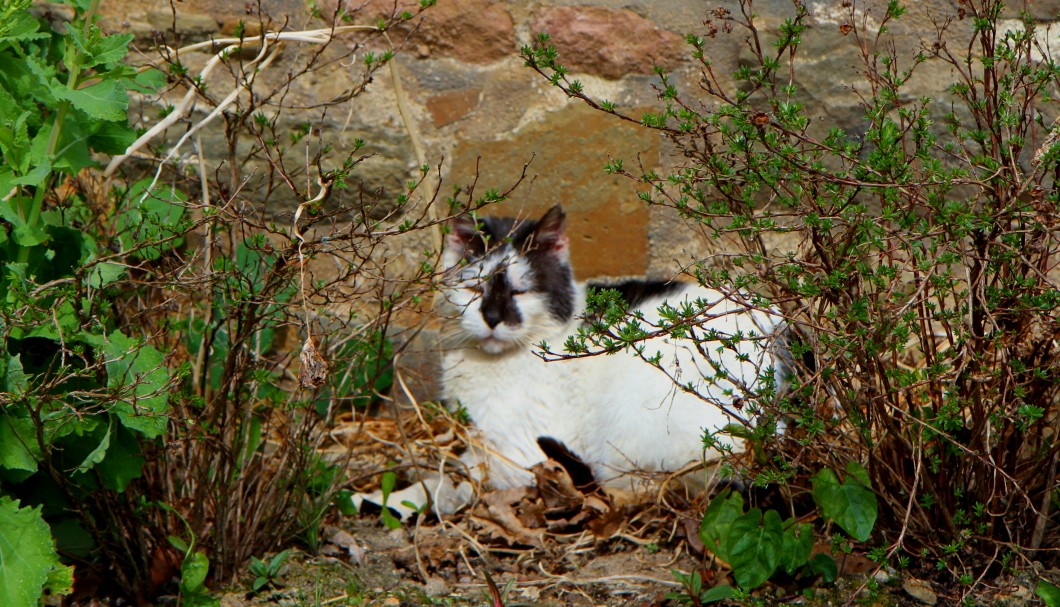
[(510, 286)]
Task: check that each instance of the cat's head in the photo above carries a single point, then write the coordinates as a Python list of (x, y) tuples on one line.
[(509, 282)]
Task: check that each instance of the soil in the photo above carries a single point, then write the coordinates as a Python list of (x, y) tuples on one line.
[(612, 574), (549, 545)]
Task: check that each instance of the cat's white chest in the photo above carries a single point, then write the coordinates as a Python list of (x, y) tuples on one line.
[(512, 400)]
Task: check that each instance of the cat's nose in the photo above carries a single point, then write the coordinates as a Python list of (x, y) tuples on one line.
[(492, 316)]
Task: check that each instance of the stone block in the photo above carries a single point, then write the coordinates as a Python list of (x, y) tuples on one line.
[(474, 31), (606, 222), (607, 42), (448, 107)]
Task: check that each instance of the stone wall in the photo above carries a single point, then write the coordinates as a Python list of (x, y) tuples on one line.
[(476, 107), (482, 115)]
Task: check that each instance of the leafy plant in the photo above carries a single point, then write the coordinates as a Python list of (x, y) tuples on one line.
[(78, 395), (265, 573), (27, 552), (693, 592), (146, 313), (914, 259), (757, 544), (1049, 593), (193, 571)]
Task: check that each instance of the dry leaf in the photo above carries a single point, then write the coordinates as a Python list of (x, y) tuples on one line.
[(314, 371), (497, 514)]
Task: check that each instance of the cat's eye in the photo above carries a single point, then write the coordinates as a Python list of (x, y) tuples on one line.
[(518, 291)]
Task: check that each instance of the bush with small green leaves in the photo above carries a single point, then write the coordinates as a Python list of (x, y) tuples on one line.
[(150, 414), (921, 288)]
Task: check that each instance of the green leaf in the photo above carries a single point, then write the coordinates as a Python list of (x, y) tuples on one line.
[(754, 546), (178, 543), (98, 49), (150, 217), (112, 137), (20, 26), (14, 134), (148, 81), (717, 521), (717, 593), (344, 502), (105, 100), (104, 273), (824, 566), (852, 505), (23, 234), (98, 453), (124, 461), (19, 449), (16, 382), (193, 571), (27, 553), (138, 370), (798, 544), (1049, 593)]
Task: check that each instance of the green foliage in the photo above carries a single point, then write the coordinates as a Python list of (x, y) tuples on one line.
[(193, 571), (757, 544), (108, 324), (1049, 593), (78, 394), (851, 504), (913, 257), (386, 486), (266, 572), (29, 566), (692, 591)]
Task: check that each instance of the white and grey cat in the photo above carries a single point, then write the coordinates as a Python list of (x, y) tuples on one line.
[(510, 286)]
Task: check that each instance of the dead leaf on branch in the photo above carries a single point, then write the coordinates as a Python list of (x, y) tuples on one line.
[(314, 371)]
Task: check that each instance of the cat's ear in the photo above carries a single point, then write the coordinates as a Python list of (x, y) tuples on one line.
[(550, 235), (464, 241), (461, 231), (464, 236)]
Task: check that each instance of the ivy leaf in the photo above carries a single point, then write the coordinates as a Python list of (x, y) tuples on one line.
[(797, 546), (717, 522), (193, 571), (824, 566), (27, 552), (754, 545), (105, 100), (851, 504)]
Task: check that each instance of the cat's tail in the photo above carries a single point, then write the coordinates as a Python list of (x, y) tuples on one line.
[(580, 473)]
